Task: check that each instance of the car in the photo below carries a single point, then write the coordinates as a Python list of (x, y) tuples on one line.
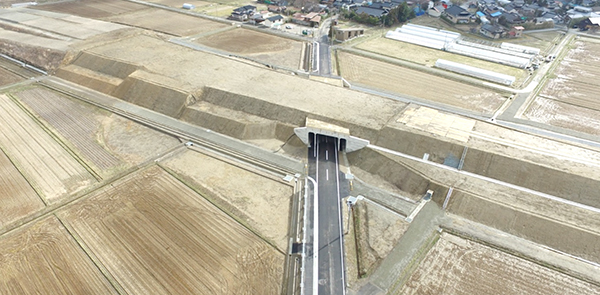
[(288, 27)]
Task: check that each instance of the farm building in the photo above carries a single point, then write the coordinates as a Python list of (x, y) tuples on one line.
[(346, 34), (474, 72)]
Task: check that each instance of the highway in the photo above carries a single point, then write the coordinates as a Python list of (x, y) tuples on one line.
[(329, 266)]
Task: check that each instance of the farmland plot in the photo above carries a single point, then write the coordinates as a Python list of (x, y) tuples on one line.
[(168, 22), (157, 236), (458, 266), (262, 202), (389, 77), (17, 197), (92, 8), (44, 259), (79, 124), (7, 77), (50, 169), (569, 100)]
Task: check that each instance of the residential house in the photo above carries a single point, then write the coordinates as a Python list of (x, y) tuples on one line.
[(457, 15), (243, 13), (518, 3), (512, 19), (494, 31), (590, 23), (312, 19), (516, 32), (347, 34), (374, 12), (276, 8), (274, 21)]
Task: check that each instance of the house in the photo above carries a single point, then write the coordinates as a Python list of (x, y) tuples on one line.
[(511, 19), (457, 15), (516, 32), (243, 13), (590, 23), (518, 3), (276, 8), (312, 19), (347, 34), (494, 31), (274, 21), (374, 12)]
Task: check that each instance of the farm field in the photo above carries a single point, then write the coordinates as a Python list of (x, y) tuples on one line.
[(427, 56), (17, 197), (405, 81), (155, 235), (7, 77), (44, 259), (262, 202), (569, 99), (458, 266), (262, 47), (50, 169), (167, 22), (78, 123), (92, 8)]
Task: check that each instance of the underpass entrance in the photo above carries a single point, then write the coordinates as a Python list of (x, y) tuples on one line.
[(346, 142)]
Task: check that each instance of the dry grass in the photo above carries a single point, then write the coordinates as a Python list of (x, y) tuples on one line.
[(155, 235), (458, 266), (93, 8)]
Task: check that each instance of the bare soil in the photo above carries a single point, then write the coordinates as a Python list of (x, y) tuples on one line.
[(168, 22), (264, 203), (458, 266), (414, 83), (569, 99), (377, 231), (17, 197), (262, 47), (7, 77), (92, 8), (51, 170), (155, 235), (44, 259)]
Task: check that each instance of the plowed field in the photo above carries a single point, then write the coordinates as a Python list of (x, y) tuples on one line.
[(570, 99), (92, 8), (76, 122), (157, 236), (44, 259), (405, 81), (262, 47), (50, 169), (7, 77), (458, 266), (17, 197), (262, 202), (168, 22)]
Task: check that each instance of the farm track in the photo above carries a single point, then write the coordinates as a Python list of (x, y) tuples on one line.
[(156, 235), (51, 170), (73, 121)]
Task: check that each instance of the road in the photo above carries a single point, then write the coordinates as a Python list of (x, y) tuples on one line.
[(324, 54), (323, 167)]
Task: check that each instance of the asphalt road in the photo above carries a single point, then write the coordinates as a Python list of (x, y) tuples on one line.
[(323, 167)]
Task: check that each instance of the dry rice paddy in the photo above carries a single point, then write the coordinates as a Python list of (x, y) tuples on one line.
[(156, 235), (458, 266), (405, 81), (51, 169), (569, 99)]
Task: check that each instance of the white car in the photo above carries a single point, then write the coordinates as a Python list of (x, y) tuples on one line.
[(288, 27)]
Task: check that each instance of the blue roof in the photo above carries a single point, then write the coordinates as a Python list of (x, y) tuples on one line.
[(480, 14), (496, 14)]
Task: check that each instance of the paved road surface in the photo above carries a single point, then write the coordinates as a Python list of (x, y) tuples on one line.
[(323, 167)]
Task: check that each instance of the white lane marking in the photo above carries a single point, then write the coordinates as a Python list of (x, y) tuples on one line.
[(327, 155), (327, 174)]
